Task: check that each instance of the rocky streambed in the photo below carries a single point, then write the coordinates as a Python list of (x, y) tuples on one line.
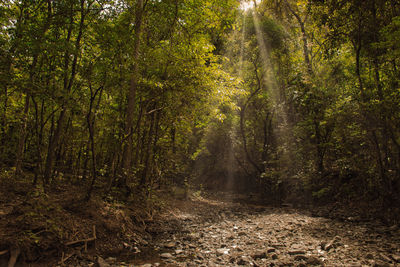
[(211, 232)]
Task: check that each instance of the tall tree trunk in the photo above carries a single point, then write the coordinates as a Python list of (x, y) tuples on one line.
[(22, 137), (68, 82), (144, 179), (91, 120), (242, 121), (128, 131), (138, 128), (24, 122)]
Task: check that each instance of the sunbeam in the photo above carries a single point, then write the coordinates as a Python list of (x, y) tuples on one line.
[(283, 127)]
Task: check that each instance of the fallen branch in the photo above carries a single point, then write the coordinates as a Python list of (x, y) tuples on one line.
[(3, 252), (64, 259), (85, 241), (80, 241)]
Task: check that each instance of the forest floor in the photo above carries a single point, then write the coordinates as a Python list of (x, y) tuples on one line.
[(229, 231), (219, 229)]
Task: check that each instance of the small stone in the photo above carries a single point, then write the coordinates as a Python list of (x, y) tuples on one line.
[(300, 258), (146, 265), (274, 256), (297, 252), (166, 255), (381, 264), (222, 251), (244, 261), (369, 256), (312, 260), (271, 250), (260, 255), (170, 245), (178, 251), (242, 234)]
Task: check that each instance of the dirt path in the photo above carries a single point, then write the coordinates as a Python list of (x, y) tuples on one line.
[(209, 232)]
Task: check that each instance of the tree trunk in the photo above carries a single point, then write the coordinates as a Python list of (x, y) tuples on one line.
[(90, 118), (306, 53), (144, 178), (68, 82), (22, 137), (244, 140), (128, 131)]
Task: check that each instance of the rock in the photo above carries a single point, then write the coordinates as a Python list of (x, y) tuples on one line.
[(244, 260), (369, 256), (312, 260), (271, 250), (301, 258), (146, 265), (166, 255), (170, 245), (385, 258), (274, 256), (379, 263), (396, 258), (297, 252), (259, 255), (242, 234), (222, 251), (178, 251), (102, 263)]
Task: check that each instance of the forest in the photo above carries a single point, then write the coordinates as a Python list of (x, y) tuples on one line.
[(114, 113)]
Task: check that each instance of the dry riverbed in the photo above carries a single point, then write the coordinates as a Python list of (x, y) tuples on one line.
[(220, 232)]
